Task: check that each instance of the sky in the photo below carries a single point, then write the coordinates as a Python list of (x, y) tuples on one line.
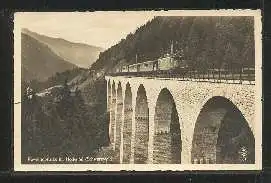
[(103, 29)]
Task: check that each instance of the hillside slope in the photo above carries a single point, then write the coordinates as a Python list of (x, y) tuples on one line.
[(205, 41), (38, 61), (79, 54)]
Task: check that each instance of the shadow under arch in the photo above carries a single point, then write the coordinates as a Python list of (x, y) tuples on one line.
[(167, 132), (142, 127), (222, 135), (127, 125)]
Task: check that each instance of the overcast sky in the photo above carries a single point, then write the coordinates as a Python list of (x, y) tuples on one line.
[(103, 29)]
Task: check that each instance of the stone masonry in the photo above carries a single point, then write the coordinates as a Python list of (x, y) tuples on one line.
[(137, 116)]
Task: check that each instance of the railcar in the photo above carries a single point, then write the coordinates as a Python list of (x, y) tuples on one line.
[(161, 65), (133, 68)]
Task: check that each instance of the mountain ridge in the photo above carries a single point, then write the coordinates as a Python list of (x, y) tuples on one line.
[(80, 54), (27, 31), (38, 60)]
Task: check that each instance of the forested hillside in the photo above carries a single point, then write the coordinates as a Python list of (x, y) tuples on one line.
[(73, 76), (205, 41), (62, 124)]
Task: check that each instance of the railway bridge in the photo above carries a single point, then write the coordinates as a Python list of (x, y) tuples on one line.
[(181, 121)]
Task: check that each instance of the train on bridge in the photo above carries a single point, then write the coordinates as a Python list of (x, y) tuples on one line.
[(174, 65), (166, 63), (170, 67)]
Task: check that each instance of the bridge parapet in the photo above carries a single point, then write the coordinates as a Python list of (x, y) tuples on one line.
[(241, 75)]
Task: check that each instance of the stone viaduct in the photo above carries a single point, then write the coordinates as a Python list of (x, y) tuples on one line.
[(171, 121)]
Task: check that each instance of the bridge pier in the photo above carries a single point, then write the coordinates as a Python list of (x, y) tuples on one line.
[(113, 116), (151, 132), (132, 158), (122, 130), (109, 106), (126, 126)]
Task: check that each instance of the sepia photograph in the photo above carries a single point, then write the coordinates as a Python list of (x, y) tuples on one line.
[(138, 90)]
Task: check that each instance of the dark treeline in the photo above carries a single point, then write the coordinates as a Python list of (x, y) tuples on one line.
[(205, 41), (62, 124)]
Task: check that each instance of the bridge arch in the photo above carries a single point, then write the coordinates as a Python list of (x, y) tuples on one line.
[(141, 126), (222, 134), (167, 132), (127, 124)]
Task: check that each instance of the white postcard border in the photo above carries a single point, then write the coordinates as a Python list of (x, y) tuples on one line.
[(142, 167)]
